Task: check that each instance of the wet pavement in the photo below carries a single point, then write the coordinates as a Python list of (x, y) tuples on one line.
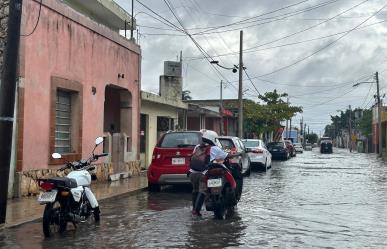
[(334, 200)]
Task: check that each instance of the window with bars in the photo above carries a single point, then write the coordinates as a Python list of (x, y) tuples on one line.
[(63, 123)]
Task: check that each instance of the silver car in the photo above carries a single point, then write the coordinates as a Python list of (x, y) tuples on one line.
[(258, 152), (298, 147)]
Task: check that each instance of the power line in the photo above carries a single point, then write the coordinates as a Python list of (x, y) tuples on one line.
[(169, 5), (250, 18), (244, 69), (292, 43), (321, 49), (271, 19)]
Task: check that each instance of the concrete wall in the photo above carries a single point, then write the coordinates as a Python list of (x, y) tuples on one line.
[(154, 110), (72, 47)]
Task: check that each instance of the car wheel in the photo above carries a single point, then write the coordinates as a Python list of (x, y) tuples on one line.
[(153, 187), (248, 171)]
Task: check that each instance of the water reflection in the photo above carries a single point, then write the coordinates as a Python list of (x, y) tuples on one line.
[(212, 233), (313, 200)]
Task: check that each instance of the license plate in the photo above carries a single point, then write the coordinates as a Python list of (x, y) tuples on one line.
[(275, 149), (213, 183), (178, 161), (45, 197)]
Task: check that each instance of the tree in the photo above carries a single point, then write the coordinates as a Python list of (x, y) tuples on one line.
[(311, 138), (268, 116), (365, 123)]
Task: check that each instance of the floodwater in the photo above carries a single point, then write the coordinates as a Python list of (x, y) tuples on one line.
[(334, 200)]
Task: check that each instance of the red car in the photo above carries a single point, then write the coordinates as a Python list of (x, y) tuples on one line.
[(291, 148), (171, 157)]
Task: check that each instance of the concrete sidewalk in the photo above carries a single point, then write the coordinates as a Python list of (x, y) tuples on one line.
[(27, 209)]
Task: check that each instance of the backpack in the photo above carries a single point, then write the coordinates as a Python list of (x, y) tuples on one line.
[(199, 158)]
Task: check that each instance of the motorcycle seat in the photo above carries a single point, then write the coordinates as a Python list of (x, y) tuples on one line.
[(63, 182)]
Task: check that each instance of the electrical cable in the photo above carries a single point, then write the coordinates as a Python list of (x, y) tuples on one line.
[(170, 6), (321, 49), (37, 21), (290, 44), (270, 19), (244, 69), (250, 18)]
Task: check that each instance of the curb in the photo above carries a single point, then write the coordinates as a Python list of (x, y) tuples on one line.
[(102, 200)]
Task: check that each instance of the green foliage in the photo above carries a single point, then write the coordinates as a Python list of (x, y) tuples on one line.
[(341, 122), (311, 138), (267, 116), (365, 123)]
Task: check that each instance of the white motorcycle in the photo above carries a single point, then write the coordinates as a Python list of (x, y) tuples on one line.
[(69, 199)]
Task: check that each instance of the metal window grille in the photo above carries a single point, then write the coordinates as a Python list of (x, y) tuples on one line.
[(63, 122)]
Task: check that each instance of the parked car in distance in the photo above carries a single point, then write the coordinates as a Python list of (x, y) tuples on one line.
[(278, 150), (308, 147), (291, 148), (171, 157), (238, 154), (298, 147), (258, 152)]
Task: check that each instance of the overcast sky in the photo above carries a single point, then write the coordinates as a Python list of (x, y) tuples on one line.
[(314, 50)]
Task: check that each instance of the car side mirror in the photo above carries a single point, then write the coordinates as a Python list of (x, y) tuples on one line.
[(248, 150)]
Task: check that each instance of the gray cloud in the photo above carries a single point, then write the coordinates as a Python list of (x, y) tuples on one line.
[(359, 53)]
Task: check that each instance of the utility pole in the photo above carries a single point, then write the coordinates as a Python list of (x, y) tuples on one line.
[(287, 127), (380, 151), (290, 128), (131, 23), (7, 98), (240, 98), (302, 134), (350, 129), (221, 109)]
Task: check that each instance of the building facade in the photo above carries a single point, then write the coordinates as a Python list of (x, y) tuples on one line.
[(79, 79)]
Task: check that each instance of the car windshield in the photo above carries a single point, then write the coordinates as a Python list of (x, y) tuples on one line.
[(226, 143), (180, 140), (252, 143)]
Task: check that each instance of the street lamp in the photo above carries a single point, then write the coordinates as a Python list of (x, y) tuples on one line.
[(379, 108), (234, 69)]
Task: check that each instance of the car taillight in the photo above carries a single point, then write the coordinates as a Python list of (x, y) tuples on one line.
[(257, 151), (47, 186), (156, 154)]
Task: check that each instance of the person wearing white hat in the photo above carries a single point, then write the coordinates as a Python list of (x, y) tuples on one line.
[(217, 155)]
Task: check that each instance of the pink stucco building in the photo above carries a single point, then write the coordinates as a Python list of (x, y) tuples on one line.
[(79, 79)]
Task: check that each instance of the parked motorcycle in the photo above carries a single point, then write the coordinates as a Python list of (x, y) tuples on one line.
[(69, 199), (223, 192)]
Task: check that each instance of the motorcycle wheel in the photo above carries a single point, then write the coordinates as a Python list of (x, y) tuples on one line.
[(219, 212), (52, 221), (230, 212)]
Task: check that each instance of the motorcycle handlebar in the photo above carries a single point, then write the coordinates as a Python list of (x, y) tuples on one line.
[(100, 155)]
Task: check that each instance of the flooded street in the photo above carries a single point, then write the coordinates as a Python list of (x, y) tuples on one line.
[(334, 200)]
